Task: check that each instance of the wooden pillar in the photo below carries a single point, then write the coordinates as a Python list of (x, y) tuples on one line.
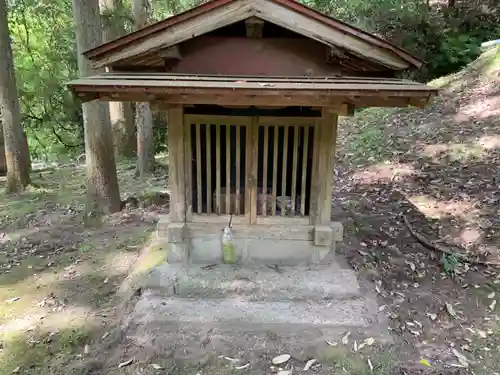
[(324, 159), (176, 163)]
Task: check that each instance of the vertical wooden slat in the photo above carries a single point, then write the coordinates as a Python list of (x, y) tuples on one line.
[(275, 167), (188, 160), (217, 168), (294, 166), (284, 167), (304, 171), (228, 168), (248, 172), (175, 118), (198, 168), (264, 170), (238, 170), (254, 155), (209, 168), (313, 205)]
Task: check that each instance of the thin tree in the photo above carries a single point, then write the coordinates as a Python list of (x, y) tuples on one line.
[(143, 117), (3, 162), (102, 183), (121, 114), (16, 146)]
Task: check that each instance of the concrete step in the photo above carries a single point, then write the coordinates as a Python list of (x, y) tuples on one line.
[(259, 283), (355, 312), (192, 329)]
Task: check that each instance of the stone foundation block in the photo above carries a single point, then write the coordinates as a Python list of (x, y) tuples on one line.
[(175, 232), (323, 235)]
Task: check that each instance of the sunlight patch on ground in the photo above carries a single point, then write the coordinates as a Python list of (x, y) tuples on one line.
[(437, 209), (117, 262), (490, 142), (383, 173), (471, 235), (481, 109), (454, 151), (48, 319)]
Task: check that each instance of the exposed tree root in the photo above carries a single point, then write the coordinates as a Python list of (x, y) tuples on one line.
[(444, 250)]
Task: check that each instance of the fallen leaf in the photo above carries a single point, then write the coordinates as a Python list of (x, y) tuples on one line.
[(369, 341), (105, 335), (432, 316), (482, 334), (106, 280), (243, 367), (382, 308), (283, 358), (370, 364), (126, 363), (451, 310), (156, 366), (492, 305), (345, 339), (16, 370), (309, 364), (411, 264), (461, 358), (13, 299), (425, 362), (331, 343)]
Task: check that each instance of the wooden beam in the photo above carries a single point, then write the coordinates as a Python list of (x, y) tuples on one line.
[(173, 52), (177, 158), (248, 100), (254, 27), (188, 160), (325, 144)]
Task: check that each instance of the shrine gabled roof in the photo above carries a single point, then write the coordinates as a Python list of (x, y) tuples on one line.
[(288, 14)]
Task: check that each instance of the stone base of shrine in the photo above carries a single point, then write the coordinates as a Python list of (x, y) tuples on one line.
[(282, 243)]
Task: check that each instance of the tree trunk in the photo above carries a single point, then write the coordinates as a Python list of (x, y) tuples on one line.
[(121, 114), (144, 117), (102, 183), (16, 150), (3, 162)]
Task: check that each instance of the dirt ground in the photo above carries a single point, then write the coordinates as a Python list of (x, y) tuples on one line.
[(60, 270), (435, 170)]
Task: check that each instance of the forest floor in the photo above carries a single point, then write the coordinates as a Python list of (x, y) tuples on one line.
[(60, 270), (437, 167)]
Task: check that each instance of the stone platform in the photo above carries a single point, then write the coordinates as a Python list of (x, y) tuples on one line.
[(194, 311), (284, 241)]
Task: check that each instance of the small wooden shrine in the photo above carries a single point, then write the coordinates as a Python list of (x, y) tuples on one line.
[(253, 90)]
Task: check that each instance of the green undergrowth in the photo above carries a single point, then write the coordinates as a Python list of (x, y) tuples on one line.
[(373, 133)]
